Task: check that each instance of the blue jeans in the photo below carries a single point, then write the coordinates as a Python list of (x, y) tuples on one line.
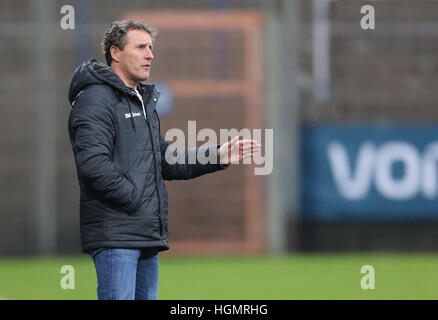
[(126, 274)]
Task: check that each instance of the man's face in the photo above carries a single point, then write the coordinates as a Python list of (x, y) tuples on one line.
[(136, 57)]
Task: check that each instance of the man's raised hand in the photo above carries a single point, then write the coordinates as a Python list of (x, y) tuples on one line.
[(236, 150)]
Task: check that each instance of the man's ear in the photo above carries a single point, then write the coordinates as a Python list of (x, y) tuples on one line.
[(115, 54)]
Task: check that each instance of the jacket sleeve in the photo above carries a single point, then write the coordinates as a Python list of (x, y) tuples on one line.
[(183, 169), (92, 133)]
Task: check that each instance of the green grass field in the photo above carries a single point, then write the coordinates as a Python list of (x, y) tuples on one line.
[(313, 276)]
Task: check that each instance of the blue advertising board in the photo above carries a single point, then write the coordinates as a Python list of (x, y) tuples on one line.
[(361, 172)]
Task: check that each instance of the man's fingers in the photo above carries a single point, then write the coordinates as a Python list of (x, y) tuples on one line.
[(248, 141), (247, 155), (251, 147), (250, 151), (253, 150), (246, 147)]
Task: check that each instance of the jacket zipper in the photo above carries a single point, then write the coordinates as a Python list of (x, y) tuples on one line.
[(155, 163)]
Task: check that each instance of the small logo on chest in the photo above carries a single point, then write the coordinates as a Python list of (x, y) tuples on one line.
[(134, 114)]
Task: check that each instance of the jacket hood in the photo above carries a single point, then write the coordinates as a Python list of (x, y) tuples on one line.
[(94, 72)]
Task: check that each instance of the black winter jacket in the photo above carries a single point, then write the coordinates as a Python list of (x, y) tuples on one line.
[(120, 161)]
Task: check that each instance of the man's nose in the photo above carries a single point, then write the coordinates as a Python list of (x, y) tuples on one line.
[(149, 54)]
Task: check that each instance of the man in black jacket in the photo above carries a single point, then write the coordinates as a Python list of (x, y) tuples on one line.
[(121, 163)]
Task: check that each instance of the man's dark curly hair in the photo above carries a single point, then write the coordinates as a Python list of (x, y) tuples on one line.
[(116, 35)]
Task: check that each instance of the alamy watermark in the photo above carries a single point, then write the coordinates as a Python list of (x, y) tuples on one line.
[(68, 19), (67, 281), (175, 155), (368, 21), (368, 280)]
